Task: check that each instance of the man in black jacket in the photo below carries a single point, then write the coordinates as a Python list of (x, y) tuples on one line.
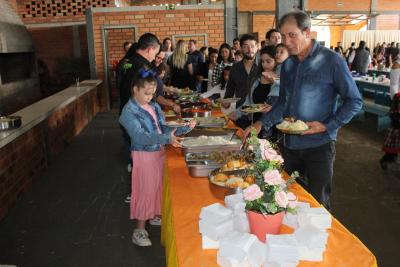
[(146, 50)]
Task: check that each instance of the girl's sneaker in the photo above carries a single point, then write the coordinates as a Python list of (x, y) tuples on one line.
[(141, 238), (156, 221)]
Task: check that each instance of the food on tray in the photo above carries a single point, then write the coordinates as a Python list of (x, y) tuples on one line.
[(170, 113), (209, 141), (177, 123), (234, 182), (234, 165), (209, 120), (253, 108), (231, 181), (221, 177), (290, 125)]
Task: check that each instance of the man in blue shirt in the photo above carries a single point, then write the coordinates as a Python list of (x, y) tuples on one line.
[(312, 79)]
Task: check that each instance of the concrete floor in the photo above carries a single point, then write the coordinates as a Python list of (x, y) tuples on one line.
[(75, 215)]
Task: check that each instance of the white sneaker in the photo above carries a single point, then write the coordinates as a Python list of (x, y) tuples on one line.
[(128, 199), (141, 238), (156, 221)]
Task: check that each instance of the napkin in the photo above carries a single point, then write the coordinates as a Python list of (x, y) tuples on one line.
[(257, 254), (236, 245), (318, 217), (282, 248), (311, 254), (235, 202), (216, 228), (208, 243), (215, 210), (228, 262), (241, 223), (311, 236)]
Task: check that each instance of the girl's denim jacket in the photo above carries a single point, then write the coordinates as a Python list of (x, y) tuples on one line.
[(142, 129)]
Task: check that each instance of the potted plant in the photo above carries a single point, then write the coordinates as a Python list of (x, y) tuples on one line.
[(268, 198)]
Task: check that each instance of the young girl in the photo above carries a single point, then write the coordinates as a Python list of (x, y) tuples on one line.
[(144, 122), (219, 90), (391, 145), (263, 90)]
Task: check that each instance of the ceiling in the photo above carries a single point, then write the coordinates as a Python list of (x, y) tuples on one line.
[(339, 19)]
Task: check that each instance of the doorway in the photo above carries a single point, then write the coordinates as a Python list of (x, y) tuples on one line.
[(113, 39)]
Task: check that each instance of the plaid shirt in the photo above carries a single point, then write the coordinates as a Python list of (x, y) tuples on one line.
[(217, 72)]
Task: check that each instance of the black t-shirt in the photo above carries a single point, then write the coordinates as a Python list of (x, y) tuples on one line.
[(180, 78), (260, 96), (130, 73)]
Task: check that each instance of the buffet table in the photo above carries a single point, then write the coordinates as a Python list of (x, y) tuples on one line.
[(184, 196)]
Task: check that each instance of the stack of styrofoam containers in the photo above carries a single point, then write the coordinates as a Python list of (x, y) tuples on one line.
[(241, 249), (215, 222), (236, 203), (311, 234), (281, 250)]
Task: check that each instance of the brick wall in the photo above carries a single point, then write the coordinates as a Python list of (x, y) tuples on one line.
[(262, 24), (25, 159), (163, 23), (46, 11), (58, 40)]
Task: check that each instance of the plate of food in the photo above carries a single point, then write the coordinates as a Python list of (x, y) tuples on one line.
[(254, 108), (231, 179), (177, 123), (169, 114), (292, 126)]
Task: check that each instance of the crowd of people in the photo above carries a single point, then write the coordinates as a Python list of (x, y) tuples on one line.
[(292, 73)]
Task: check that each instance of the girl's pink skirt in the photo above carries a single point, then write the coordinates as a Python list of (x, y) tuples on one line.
[(147, 177)]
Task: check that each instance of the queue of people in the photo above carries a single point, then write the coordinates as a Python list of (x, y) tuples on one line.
[(297, 78)]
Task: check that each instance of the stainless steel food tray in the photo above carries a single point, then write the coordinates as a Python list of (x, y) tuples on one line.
[(207, 148), (211, 132), (201, 168)]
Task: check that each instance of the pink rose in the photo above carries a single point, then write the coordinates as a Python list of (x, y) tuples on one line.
[(273, 177), (281, 199), (252, 192), (277, 158), (292, 200), (264, 143)]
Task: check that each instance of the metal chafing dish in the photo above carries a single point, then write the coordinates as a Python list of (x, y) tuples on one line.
[(10, 122), (212, 132), (206, 148), (202, 163), (201, 168)]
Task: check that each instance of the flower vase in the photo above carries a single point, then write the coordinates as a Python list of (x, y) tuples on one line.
[(260, 224)]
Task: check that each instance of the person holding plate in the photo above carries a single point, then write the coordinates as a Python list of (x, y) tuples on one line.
[(311, 80)]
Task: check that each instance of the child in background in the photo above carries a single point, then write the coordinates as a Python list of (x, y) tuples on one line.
[(219, 90), (238, 55), (391, 145), (144, 121)]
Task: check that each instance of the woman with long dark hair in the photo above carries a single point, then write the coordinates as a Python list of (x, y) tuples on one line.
[(225, 58)]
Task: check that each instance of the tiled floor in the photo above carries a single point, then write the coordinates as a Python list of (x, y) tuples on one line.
[(75, 215)]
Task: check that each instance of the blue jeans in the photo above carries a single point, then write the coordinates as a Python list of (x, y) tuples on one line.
[(315, 166)]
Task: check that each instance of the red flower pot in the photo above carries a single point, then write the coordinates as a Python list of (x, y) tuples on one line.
[(260, 224)]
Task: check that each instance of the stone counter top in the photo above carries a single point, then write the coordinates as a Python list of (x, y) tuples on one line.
[(39, 111)]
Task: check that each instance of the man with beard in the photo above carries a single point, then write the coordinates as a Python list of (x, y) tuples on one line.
[(245, 72), (312, 79)]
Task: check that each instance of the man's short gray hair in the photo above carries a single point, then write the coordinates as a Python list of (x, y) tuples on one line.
[(302, 19)]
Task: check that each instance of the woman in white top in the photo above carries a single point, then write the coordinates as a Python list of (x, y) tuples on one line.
[(395, 73)]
